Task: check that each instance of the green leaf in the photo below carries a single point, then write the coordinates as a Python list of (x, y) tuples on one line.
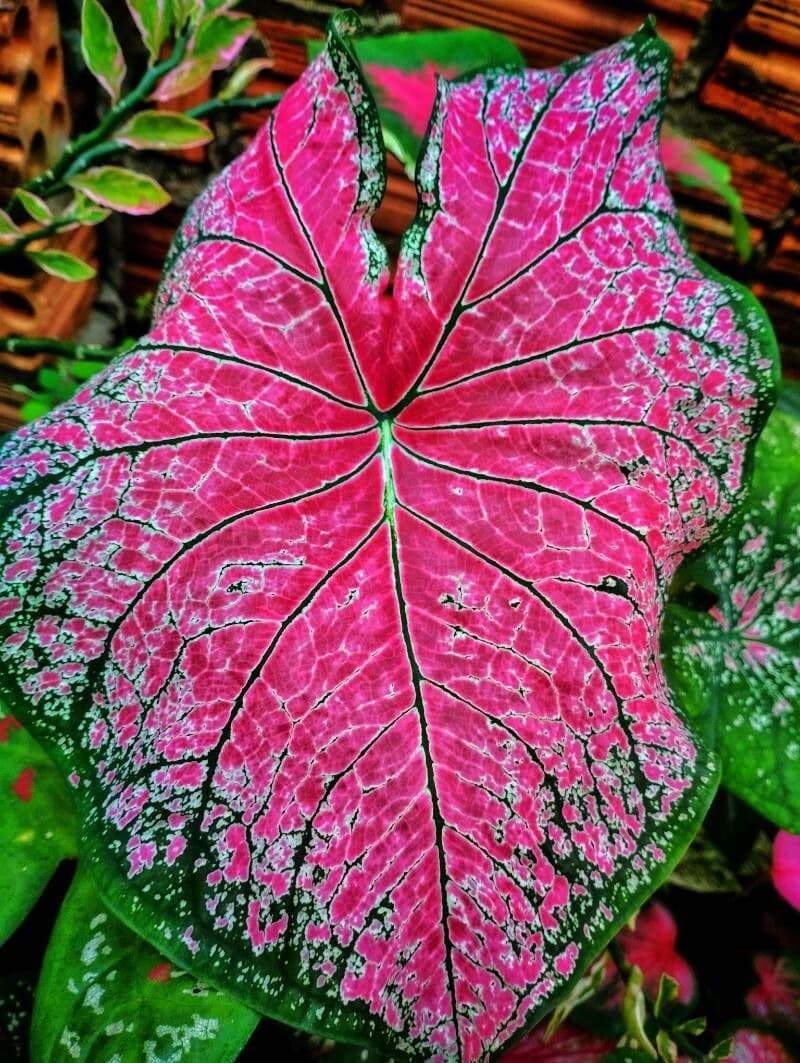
[(36, 207), (16, 1005), (705, 869), (222, 36), (87, 212), (37, 823), (154, 21), (243, 76), (101, 49), (401, 69), (693, 1027), (696, 168), (36, 407), (185, 78), (62, 264), (789, 397), (106, 994), (48, 378), (84, 369), (163, 129), (9, 231), (182, 11), (57, 384), (120, 189), (634, 1010), (736, 668), (667, 1049), (720, 1052), (666, 996)]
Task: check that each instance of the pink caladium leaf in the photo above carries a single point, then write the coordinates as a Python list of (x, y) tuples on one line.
[(341, 609)]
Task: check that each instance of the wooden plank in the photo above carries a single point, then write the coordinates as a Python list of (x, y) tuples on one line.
[(287, 44), (550, 31), (759, 78)]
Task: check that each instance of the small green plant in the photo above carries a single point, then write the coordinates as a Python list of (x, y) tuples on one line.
[(186, 43)]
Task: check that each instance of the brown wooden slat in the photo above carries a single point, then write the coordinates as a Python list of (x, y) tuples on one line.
[(287, 44), (759, 78), (778, 20), (550, 31)]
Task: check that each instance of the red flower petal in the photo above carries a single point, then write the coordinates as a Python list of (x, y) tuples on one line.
[(786, 866)]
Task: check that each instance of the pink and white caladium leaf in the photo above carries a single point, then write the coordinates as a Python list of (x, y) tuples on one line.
[(402, 68), (735, 668), (341, 609)]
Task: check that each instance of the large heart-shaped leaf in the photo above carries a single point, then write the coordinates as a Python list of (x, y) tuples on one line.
[(736, 668), (343, 608)]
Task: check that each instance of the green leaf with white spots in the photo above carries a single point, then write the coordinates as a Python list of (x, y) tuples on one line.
[(105, 994), (37, 824), (736, 668), (16, 1003)]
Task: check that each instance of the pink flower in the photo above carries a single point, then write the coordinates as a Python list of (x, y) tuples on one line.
[(569, 1044), (786, 866), (775, 998), (752, 1046), (410, 93), (651, 946)]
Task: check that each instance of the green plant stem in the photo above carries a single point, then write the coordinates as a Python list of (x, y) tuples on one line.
[(91, 145), (55, 180), (236, 103), (56, 225), (76, 351)]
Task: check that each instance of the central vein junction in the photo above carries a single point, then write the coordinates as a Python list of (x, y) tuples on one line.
[(389, 497)]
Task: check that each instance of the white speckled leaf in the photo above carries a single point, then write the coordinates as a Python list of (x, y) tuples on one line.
[(736, 668), (106, 996)]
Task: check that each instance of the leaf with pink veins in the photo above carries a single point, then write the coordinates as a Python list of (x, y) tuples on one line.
[(341, 610)]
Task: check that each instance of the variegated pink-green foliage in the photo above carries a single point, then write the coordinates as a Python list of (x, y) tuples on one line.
[(341, 609)]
